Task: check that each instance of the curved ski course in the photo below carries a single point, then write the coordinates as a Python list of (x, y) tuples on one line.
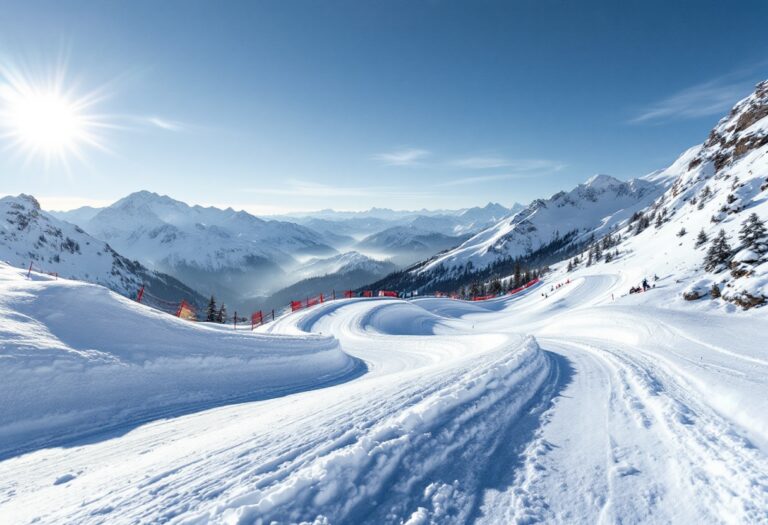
[(615, 412)]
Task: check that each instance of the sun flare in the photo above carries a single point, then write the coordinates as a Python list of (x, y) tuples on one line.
[(43, 120)]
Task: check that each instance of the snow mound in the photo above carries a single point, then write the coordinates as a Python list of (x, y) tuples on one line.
[(78, 358)]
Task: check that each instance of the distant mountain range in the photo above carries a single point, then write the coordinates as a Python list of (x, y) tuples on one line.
[(243, 259)]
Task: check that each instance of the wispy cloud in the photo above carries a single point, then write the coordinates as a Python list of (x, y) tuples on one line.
[(300, 188), (402, 157), (480, 163), (522, 169), (518, 165), (162, 123), (714, 97)]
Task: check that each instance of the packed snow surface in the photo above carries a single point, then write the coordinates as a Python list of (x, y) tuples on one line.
[(569, 404)]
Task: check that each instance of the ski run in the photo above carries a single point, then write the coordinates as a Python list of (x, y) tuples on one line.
[(576, 405)]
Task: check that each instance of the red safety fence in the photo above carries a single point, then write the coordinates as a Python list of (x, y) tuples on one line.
[(484, 297), (309, 301), (349, 294), (259, 318), (387, 293), (182, 309), (368, 293), (523, 287)]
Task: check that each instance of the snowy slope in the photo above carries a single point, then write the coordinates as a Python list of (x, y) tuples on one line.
[(592, 207), (624, 411), (30, 235), (79, 359), (718, 187)]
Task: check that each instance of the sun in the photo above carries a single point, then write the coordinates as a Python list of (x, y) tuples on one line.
[(45, 120)]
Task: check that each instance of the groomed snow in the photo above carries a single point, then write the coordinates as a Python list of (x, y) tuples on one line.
[(79, 359), (633, 409)]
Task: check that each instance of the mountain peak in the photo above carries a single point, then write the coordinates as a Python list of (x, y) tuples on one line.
[(601, 180)]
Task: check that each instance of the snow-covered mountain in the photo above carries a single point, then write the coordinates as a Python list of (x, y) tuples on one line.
[(343, 263), (408, 244), (30, 235), (699, 225), (590, 208), (226, 252), (708, 229), (359, 225), (239, 257), (347, 271)]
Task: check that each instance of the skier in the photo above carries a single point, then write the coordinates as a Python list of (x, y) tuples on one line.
[(646, 286)]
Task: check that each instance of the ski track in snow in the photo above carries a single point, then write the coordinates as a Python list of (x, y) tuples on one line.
[(611, 414)]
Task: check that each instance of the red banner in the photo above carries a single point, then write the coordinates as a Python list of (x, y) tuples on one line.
[(523, 287), (387, 293), (257, 318), (349, 294), (368, 293)]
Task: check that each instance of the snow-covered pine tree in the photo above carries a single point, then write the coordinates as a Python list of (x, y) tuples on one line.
[(701, 238), (210, 312), (753, 234), (682, 232), (718, 254), (221, 315)]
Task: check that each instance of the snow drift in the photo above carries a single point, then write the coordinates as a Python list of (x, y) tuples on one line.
[(78, 358)]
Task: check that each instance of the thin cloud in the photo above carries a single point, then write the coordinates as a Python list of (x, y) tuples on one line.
[(480, 163), (299, 188), (714, 97), (402, 157), (526, 174), (168, 125)]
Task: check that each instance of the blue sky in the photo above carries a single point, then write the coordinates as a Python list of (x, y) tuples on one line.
[(278, 106)]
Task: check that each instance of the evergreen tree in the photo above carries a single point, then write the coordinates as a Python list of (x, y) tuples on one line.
[(221, 315), (518, 276), (718, 254), (753, 234), (570, 265), (702, 238), (598, 252), (210, 314), (682, 232)]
